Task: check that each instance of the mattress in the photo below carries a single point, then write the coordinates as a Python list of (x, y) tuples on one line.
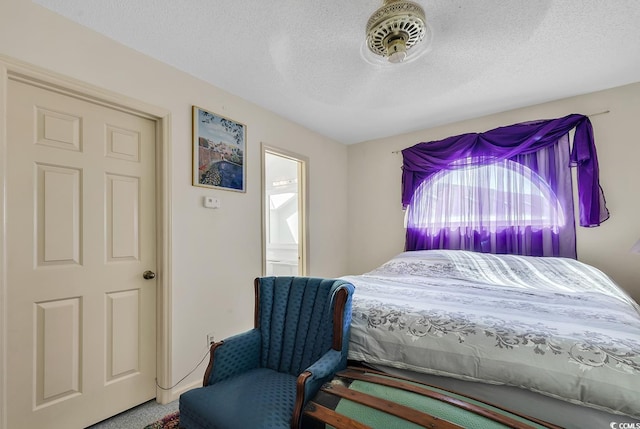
[(554, 326)]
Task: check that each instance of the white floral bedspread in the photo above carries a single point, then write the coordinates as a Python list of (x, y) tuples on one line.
[(551, 325)]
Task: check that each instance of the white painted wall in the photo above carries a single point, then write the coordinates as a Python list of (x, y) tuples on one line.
[(376, 230), (216, 253)]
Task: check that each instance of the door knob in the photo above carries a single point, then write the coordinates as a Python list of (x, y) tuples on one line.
[(148, 275)]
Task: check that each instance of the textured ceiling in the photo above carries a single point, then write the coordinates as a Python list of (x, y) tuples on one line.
[(306, 60)]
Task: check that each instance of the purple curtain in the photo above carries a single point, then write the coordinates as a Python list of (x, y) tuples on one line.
[(535, 145)]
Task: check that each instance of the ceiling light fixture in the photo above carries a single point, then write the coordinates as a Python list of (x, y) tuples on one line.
[(395, 28)]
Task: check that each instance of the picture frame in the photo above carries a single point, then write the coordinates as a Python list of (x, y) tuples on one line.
[(219, 148)]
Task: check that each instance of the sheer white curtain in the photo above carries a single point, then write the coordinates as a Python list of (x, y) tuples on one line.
[(522, 205)]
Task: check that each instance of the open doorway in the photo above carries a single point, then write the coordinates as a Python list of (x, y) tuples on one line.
[(284, 213)]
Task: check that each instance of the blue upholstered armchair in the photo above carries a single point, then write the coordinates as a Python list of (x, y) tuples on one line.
[(262, 378)]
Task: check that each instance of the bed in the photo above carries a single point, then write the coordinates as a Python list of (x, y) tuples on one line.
[(546, 332)]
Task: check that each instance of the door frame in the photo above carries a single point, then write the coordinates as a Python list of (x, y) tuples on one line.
[(12, 69), (303, 198)]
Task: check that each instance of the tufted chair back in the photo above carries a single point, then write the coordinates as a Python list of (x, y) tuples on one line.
[(294, 315)]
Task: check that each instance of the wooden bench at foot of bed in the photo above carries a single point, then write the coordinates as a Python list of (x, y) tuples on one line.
[(359, 398)]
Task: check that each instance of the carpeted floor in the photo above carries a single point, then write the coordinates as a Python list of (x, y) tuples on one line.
[(140, 417), (167, 422)]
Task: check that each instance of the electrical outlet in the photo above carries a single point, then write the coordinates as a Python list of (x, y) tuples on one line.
[(210, 339)]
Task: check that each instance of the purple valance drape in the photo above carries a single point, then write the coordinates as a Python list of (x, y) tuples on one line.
[(425, 159)]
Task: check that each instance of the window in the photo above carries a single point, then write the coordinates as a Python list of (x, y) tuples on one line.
[(485, 195)]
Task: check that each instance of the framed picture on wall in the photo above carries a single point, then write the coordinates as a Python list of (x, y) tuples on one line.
[(219, 147)]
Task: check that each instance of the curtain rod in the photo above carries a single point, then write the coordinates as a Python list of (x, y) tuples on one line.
[(599, 113), (604, 112)]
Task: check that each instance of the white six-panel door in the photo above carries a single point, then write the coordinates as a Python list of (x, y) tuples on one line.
[(81, 232)]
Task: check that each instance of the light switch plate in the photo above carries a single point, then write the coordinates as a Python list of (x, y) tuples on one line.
[(212, 202)]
